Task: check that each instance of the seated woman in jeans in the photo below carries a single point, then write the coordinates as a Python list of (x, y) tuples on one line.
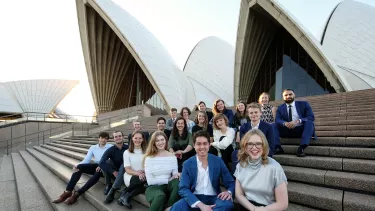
[(161, 173), (134, 177), (260, 180), (181, 142)]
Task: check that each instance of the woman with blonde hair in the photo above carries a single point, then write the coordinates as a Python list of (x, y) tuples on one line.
[(161, 172), (261, 184), (268, 110)]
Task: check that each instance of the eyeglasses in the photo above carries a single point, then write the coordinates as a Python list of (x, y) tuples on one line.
[(258, 145)]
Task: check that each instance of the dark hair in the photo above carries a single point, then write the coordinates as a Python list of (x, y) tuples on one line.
[(200, 102), (175, 133), (118, 132), (160, 118), (238, 113), (143, 145), (288, 90), (214, 108), (201, 133), (104, 135), (173, 109), (182, 111)]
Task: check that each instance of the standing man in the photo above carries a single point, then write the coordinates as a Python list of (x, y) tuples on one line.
[(86, 167), (112, 166), (202, 107), (170, 121), (160, 125), (137, 127), (294, 119), (200, 180), (255, 112)]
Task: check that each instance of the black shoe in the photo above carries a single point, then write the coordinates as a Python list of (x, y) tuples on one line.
[(110, 196), (300, 152), (279, 150), (107, 188), (124, 200)]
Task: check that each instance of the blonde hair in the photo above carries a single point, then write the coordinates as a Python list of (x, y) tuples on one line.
[(152, 150), (264, 93), (243, 157)]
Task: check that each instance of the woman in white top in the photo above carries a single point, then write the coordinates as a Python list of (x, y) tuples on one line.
[(223, 137), (260, 180), (134, 176), (185, 113), (161, 172)]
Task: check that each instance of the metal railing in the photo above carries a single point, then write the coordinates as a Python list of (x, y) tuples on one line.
[(65, 129), (44, 117)]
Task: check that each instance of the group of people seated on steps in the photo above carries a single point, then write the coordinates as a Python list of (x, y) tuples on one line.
[(203, 164)]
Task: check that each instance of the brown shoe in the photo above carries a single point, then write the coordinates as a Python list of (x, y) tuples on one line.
[(63, 197), (72, 199)]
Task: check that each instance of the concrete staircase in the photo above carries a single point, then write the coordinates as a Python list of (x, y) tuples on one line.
[(338, 172)]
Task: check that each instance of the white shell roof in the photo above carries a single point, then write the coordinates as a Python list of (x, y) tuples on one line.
[(160, 66), (40, 96), (210, 66), (349, 42)]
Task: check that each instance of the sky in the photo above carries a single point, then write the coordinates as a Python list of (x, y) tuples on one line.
[(40, 39)]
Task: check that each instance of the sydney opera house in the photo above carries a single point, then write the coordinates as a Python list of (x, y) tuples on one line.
[(126, 65)]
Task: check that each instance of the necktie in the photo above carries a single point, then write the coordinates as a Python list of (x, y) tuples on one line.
[(290, 113)]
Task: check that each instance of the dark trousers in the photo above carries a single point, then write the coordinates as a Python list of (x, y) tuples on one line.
[(221, 205), (304, 131), (136, 184), (184, 156), (226, 155), (119, 180), (87, 169), (239, 207)]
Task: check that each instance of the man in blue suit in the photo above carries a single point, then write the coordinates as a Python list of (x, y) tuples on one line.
[(294, 119), (200, 180), (255, 112)]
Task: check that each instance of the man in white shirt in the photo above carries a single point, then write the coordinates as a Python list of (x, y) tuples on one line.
[(170, 121), (200, 180), (85, 166)]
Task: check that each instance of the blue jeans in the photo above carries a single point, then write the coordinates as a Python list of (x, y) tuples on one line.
[(119, 180), (221, 205)]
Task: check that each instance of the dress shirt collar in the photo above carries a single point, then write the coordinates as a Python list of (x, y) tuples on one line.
[(293, 104), (255, 126)]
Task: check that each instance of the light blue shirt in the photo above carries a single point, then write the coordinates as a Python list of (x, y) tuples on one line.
[(95, 151)]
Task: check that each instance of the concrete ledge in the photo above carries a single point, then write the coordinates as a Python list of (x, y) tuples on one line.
[(358, 165), (360, 141), (350, 152), (324, 141), (80, 145), (356, 202), (75, 149), (307, 175), (328, 163), (319, 197), (353, 181), (311, 150)]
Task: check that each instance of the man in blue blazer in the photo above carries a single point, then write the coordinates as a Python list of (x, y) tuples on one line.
[(200, 180), (294, 119), (255, 112)]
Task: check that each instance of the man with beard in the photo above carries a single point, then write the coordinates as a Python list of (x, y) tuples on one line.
[(112, 166), (294, 119), (160, 125), (200, 180)]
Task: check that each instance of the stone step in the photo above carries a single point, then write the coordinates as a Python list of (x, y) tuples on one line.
[(334, 141), (341, 110), (318, 197), (71, 154), (357, 201), (81, 145), (334, 179), (344, 122), (342, 152), (8, 197), (51, 184), (296, 207), (346, 133), (75, 149), (68, 161), (84, 141), (328, 163), (30, 196)]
